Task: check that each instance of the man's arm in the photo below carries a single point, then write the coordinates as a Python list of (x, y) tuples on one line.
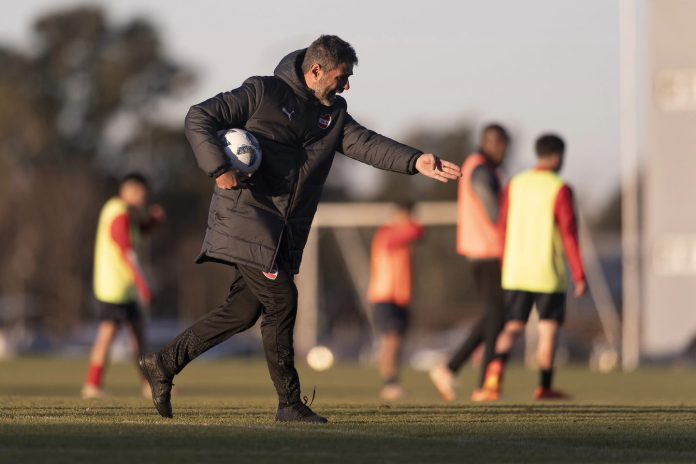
[(377, 150), (564, 213), (223, 111), (487, 189), (382, 152), (120, 234)]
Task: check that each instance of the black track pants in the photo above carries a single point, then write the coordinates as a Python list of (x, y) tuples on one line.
[(251, 296), (486, 330)]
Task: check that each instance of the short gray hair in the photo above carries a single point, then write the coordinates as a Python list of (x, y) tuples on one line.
[(329, 51)]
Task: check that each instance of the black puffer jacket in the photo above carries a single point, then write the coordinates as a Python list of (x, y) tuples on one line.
[(299, 138)]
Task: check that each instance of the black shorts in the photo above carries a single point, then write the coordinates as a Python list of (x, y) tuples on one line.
[(389, 317), (550, 306), (119, 313)]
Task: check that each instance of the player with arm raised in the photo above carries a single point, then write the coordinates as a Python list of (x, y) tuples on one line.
[(120, 286), (259, 225)]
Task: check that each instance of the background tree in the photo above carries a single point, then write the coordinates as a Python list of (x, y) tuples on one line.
[(78, 112)]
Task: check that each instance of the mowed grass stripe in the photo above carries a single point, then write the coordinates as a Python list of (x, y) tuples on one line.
[(225, 413)]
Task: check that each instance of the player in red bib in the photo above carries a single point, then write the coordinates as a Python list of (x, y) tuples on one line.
[(390, 292)]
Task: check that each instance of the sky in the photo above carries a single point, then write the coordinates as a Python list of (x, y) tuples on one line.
[(534, 66)]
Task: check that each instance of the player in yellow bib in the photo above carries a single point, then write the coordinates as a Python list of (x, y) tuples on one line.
[(537, 224), (120, 287)]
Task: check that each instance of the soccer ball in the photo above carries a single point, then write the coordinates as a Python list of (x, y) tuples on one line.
[(320, 358), (242, 149)]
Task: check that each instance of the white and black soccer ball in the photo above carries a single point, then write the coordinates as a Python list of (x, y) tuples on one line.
[(242, 149)]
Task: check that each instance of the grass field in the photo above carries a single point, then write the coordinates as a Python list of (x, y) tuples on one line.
[(224, 413)]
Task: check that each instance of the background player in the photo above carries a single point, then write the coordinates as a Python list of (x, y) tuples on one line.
[(120, 287), (390, 292), (537, 222), (478, 239)]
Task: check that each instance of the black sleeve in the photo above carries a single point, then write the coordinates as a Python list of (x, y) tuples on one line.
[(377, 150), (223, 111), (487, 188)]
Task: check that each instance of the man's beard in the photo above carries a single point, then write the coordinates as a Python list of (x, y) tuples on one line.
[(326, 99)]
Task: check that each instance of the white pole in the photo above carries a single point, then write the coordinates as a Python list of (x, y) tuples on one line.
[(306, 326), (630, 227), (599, 288), (357, 260)]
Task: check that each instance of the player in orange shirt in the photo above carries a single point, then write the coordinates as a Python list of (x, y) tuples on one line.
[(478, 240), (390, 291)]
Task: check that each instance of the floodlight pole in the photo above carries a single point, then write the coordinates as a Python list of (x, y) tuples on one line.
[(630, 226)]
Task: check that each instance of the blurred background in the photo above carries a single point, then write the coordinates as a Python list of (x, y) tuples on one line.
[(91, 91)]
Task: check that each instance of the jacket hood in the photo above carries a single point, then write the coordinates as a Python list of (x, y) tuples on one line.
[(289, 70)]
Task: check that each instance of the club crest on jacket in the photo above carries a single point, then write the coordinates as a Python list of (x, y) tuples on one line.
[(324, 121)]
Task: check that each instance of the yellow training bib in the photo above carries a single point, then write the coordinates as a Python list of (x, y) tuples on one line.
[(533, 256), (113, 279)]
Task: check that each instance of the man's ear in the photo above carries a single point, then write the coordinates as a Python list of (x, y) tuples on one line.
[(316, 71)]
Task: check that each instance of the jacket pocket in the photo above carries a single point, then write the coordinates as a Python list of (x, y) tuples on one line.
[(227, 200)]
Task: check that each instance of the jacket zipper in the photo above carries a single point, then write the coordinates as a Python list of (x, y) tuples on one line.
[(291, 202)]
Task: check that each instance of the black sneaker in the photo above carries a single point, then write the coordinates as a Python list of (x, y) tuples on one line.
[(160, 383), (298, 413)]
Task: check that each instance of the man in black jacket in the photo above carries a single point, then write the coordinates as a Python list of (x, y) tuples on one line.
[(259, 225)]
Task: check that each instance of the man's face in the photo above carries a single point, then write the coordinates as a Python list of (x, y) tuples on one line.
[(557, 162), (326, 84), (135, 195), (495, 146)]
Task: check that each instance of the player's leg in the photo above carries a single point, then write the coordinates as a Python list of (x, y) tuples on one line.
[(495, 317), (551, 309), (493, 381), (473, 341), (239, 312), (519, 305), (391, 321), (99, 355), (136, 328), (389, 366), (110, 317), (443, 376), (508, 337), (278, 298), (546, 349)]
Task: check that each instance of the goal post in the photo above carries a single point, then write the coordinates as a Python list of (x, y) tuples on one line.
[(345, 219)]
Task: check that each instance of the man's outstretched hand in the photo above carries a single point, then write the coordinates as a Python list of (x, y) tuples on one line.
[(431, 166)]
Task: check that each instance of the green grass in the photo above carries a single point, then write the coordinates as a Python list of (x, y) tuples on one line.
[(224, 413)]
